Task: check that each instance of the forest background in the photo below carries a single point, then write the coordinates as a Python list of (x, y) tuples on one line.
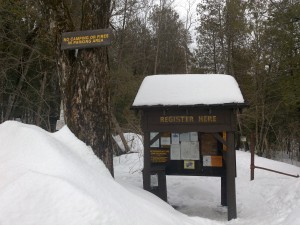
[(256, 41)]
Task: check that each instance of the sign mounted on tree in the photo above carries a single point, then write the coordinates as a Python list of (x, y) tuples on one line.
[(86, 39)]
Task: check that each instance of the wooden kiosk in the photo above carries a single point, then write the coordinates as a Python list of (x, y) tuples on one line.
[(189, 124)]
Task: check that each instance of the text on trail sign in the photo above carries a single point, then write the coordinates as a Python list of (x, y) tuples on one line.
[(188, 119), (86, 39)]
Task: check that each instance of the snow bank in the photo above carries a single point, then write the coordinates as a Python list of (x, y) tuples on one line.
[(188, 89), (56, 179)]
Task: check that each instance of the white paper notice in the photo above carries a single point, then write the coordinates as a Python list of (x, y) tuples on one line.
[(190, 150), (185, 137), (206, 160), (154, 180), (194, 136), (175, 152), (175, 138), (155, 144), (195, 152), (165, 140)]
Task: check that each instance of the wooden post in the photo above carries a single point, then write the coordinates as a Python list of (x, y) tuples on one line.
[(162, 185), (252, 166), (230, 174), (224, 177), (223, 191), (146, 170)]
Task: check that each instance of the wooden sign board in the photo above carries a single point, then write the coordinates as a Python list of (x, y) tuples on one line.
[(86, 39), (159, 155), (209, 145), (200, 142)]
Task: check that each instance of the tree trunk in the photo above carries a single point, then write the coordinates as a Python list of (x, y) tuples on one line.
[(157, 49), (120, 133), (87, 102), (1, 96), (40, 104), (84, 78), (122, 34)]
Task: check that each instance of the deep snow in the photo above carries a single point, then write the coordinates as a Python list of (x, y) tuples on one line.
[(56, 179)]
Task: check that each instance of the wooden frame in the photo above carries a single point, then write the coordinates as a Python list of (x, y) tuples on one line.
[(219, 121)]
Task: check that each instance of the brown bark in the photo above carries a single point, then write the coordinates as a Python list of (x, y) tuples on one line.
[(40, 104), (84, 77), (122, 35)]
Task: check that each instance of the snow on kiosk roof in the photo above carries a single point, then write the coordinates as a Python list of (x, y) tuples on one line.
[(188, 90)]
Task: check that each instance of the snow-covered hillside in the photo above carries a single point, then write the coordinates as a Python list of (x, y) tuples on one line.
[(56, 179)]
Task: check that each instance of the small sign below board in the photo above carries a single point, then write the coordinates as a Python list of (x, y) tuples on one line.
[(86, 39), (189, 164)]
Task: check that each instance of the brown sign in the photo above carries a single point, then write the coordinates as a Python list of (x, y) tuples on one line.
[(209, 145), (188, 119), (86, 39), (159, 155)]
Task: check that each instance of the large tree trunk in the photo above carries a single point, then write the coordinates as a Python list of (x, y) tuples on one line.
[(84, 77), (87, 101)]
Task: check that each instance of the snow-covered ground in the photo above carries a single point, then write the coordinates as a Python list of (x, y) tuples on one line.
[(269, 199), (56, 179)]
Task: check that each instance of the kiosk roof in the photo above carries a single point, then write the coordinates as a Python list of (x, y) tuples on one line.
[(188, 90)]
